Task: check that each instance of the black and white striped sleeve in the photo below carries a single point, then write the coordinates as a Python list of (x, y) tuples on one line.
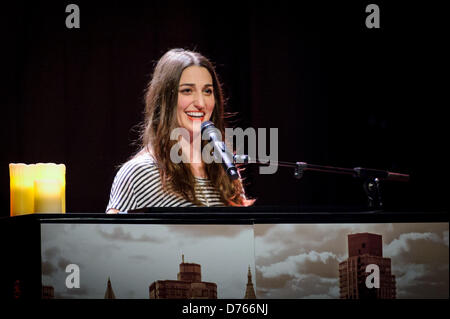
[(127, 183), (138, 184)]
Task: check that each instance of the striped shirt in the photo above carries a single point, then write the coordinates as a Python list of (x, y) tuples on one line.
[(138, 185)]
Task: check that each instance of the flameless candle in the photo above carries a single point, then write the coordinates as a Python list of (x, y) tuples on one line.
[(38, 188), (49, 188), (21, 189), (47, 196)]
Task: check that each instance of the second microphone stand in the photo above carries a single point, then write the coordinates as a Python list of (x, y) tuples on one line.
[(371, 178)]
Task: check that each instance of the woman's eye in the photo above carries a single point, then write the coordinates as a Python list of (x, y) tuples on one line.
[(208, 91), (186, 91)]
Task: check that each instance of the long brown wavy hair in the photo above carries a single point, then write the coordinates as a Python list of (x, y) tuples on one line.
[(161, 101)]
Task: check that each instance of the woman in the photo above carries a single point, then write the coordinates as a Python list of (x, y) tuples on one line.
[(183, 92)]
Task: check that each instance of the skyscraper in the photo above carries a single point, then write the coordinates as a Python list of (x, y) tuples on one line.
[(48, 292), (250, 291), (365, 249), (109, 293), (188, 286)]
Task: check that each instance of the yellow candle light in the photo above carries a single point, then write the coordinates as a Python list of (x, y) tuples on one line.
[(45, 188), (47, 196), (50, 188), (21, 189)]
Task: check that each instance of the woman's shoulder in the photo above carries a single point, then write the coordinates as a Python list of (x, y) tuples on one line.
[(141, 159), (139, 163)]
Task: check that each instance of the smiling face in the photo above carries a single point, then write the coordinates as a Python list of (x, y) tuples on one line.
[(195, 97)]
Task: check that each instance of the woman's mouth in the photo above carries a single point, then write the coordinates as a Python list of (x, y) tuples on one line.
[(195, 116)]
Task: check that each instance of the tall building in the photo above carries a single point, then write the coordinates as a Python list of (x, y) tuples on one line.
[(48, 292), (109, 293), (188, 286), (365, 249), (250, 291)]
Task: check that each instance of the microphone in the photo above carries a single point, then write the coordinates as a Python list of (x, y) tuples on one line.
[(220, 150)]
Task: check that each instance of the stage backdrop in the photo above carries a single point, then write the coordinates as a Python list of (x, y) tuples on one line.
[(278, 261), (339, 93)]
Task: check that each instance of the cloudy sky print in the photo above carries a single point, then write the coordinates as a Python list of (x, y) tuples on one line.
[(302, 260), (134, 256)]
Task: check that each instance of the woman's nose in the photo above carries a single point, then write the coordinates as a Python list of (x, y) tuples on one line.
[(199, 101)]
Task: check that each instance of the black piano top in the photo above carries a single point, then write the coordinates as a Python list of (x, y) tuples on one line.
[(239, 215)]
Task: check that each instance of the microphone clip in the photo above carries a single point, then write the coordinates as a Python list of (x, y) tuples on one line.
[(299, 169)]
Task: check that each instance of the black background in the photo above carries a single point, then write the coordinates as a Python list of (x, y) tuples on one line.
[(340, 94)]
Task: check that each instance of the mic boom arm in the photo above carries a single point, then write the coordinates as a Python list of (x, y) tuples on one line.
[(371, 177)]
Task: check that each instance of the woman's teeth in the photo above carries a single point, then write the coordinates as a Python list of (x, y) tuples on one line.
[(196, 114)]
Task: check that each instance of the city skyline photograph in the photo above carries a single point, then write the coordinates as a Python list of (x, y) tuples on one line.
[(293, 261), (302, 260), (135, 256)]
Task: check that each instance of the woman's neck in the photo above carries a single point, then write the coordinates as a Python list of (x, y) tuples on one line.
[(198, 170), (196, 163)]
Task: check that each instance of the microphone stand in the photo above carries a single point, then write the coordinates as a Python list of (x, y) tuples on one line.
[(371, 178)]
